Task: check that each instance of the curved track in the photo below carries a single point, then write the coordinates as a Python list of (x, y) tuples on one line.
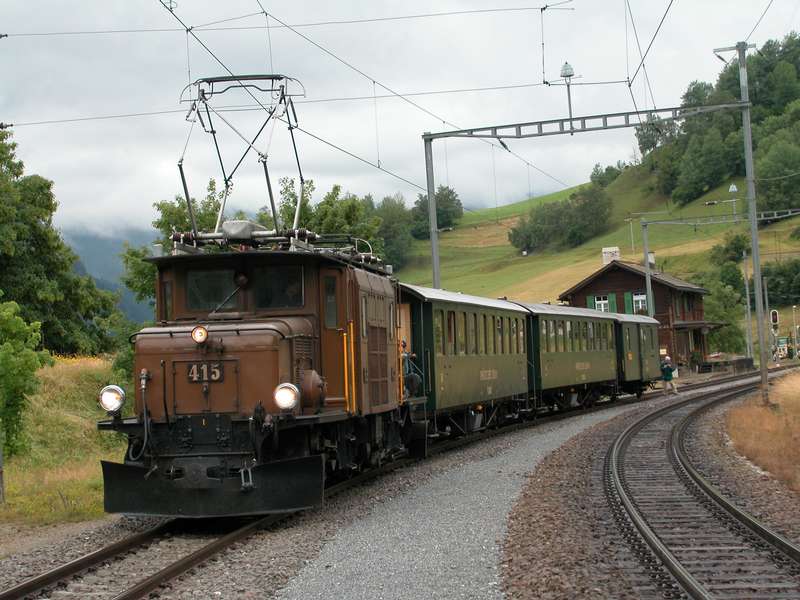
[(712, 548), (141, 540)]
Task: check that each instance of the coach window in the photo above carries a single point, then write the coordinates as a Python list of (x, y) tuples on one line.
[(498, 335), (627, 339), (451, 333), (521, 326), (461, 332), (514, 340), (559, 336), (551, 336), (506, 336), (473, 333), (438, 331), (481, 334), (585, 336), (612, 338), (542, 335)]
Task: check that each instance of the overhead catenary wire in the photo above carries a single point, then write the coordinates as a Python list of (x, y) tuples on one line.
[(209, 27), (245, 107), (650, 45), (295, 126), (641, 55), (401, 96), (752, 31), (268, 36)]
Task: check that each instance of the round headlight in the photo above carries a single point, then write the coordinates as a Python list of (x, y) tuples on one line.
[(286, 396), (199, 334), (112, 397)]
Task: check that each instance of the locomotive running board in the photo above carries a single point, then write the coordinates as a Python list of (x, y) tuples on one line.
[(280, 486)]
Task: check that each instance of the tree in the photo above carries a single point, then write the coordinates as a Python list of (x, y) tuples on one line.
[(38, 267), (571, 222), (346, 214), (603, 177), (19, 361), (731, 249), (448, 211), (703, 166), (723, 304), (395, 230), (288, 203), (776, 191)]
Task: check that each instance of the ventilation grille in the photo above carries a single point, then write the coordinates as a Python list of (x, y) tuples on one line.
[(303, 358)]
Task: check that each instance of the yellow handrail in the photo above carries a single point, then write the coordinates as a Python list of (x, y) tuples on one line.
[(346, 373), (353, 394)]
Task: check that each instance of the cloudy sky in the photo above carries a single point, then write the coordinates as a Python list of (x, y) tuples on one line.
[(107, 173)]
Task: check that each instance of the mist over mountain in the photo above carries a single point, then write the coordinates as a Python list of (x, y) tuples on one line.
[(100, 257)]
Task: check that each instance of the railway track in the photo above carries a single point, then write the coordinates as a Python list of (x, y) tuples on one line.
[(141, 540), (713, 549)]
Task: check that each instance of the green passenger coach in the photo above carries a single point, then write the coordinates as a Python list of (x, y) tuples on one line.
[(573, 350), (471, 349)]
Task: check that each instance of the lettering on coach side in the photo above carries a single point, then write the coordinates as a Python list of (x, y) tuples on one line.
[(488, 375), (583, 366)]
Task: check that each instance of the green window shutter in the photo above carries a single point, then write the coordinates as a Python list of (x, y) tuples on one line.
[(612, 303), (590, 301), (628, 303)]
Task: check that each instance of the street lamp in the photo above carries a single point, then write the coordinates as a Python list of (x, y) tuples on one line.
[(567, 73)]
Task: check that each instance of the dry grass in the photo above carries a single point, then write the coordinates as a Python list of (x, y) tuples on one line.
[(58, 477), (770, 437)]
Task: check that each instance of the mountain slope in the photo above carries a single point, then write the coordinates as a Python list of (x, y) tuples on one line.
[(477, 258)]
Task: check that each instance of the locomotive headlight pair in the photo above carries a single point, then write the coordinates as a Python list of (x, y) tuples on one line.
[(286, 396), (112, 397)]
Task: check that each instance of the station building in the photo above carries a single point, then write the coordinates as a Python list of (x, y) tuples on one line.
[(620, 286)]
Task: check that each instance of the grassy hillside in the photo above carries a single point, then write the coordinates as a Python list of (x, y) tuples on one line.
[(477, 257), (59, 478)]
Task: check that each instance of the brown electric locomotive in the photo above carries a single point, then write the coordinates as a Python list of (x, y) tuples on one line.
[(269, 371)]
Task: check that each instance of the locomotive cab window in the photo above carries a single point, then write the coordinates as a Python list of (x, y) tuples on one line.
[(207, 289), (279, 287)]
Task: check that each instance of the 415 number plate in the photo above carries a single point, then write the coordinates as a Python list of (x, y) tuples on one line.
[(205, 372)]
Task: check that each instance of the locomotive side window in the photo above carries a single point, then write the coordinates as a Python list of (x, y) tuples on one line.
[(331, 310), (364, 316), (279, 287), (166, 300), (206, 289), (438, 331), (392, 324)]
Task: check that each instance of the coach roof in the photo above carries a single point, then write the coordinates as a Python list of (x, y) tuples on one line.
[(432, 294)]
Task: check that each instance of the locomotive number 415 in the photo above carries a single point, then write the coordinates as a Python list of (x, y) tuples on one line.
[(205, 372)]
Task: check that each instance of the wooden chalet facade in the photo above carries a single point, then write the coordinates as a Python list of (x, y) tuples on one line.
[(620, 287)]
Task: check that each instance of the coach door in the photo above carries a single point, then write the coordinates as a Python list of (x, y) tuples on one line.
[(332, 338), (633, 357)]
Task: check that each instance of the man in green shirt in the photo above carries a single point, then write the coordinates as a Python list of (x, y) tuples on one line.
[(666, 375)]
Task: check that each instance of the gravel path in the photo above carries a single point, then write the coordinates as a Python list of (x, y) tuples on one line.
[(442, 538)]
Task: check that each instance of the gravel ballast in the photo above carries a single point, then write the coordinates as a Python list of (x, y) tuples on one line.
[(442, 538)]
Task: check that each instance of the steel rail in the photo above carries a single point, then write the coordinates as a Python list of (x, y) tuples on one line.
[(694, 588), (776, 540), (81, 564)]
